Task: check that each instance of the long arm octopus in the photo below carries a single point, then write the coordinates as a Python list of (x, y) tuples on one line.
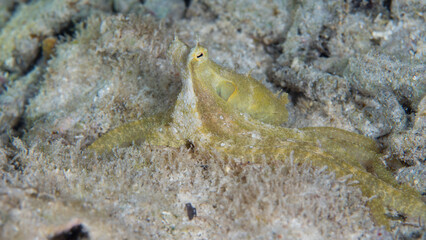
[(235, 114)]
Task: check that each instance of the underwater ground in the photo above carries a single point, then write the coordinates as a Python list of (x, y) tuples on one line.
[(71, 70)]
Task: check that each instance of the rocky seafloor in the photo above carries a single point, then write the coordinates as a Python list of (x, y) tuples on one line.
[(70, 70)]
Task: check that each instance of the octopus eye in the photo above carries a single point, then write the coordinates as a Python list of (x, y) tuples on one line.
[(200, 55)]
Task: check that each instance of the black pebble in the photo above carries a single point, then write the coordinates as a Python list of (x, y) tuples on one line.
[(191, 211)]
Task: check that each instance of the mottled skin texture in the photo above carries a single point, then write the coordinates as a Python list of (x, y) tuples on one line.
[(234, 114)]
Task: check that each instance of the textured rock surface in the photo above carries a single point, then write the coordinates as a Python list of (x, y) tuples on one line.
[(21, 36)]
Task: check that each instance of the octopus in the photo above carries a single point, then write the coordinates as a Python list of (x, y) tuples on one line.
[(233, 113)]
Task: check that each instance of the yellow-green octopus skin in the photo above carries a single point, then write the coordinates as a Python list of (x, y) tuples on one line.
[(235, 114)]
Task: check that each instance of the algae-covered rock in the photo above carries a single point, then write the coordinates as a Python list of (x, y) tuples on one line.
[(375, 74), (6, 10), (410, 146), (408, 8), (126, 6), (21, 36), (374, 115), (373, 92), (414, 176), (397, 86), (266, 21), (123, 82), (13, 101), (303, 29), (173, 9)]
